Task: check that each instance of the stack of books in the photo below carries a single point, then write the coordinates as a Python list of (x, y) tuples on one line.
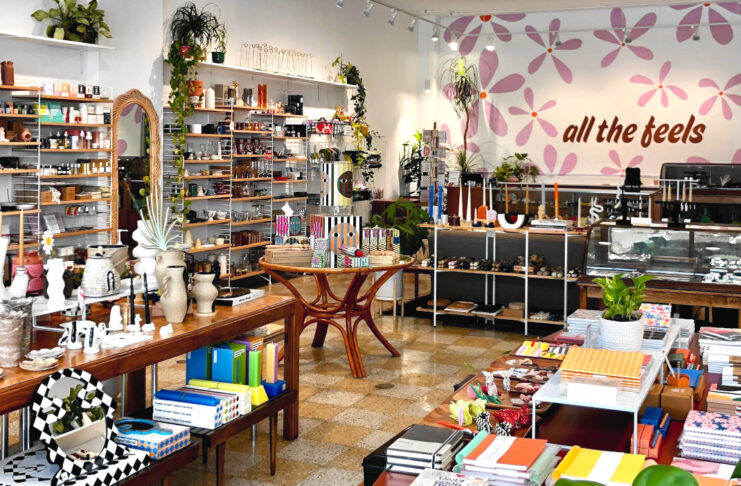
[(423, 447), (724, 399), (604, 467), (719, 346), (622, 367), (433, 477), (731, 374), (654, 337), (711, 436), (511, 461), (578, 320)]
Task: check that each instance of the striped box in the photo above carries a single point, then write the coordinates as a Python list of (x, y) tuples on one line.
[(338, 231)]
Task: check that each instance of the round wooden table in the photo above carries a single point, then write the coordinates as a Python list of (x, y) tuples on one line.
[(344, 313)]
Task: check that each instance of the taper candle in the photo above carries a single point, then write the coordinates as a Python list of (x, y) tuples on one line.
[(506, 198), (432, 200), (690, 200), (271, 363), (440, 202), (542, 194), (684, 191), (483, 194), (20, 242), (147, 318), (578, 212), (669, 191), (132, 297), (555, 200), (527, 198), (460, 201), (468, 208), (663, 192)]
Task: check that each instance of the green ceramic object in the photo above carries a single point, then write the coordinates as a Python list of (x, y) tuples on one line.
[(218, 57)]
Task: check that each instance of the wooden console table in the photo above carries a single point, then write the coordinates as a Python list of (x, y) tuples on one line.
[(17, 386)]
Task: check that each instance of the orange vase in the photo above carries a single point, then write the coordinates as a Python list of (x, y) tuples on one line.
[(195, 88)]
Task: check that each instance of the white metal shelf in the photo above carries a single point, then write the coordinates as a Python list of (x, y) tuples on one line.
[(38, 39), (266, 74)]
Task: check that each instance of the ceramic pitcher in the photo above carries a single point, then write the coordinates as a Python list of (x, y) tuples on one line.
[(174, 299), (205, 292), (166, 259), (100, 278)]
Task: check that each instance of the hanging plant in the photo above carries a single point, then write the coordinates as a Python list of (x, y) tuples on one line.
[(349, 74)]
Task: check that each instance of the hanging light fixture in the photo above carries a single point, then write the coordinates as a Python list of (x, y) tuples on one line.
[(557, 42), (428, 86), (696, 33), (340, 3), (392, 19), (412, 25), (435, 34), (368, 8), (490, 44), (453, 45)]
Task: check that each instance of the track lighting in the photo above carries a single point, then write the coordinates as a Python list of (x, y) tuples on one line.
[(412, 25), (435, 34), (557, 42), (392, 19), (490, 44), (368, 8), (453, 45), (428, 86), (340, 3), (696, 33)]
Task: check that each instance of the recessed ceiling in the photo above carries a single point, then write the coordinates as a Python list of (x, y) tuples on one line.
[(443, 7)]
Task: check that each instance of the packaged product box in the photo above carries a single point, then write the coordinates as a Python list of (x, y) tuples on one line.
[(653, 399), (157, 444), (228, 363), (253, 343), (242, 392), (677, 401), (190, 414), (198, 364), (240, 359), (700, 388), (229, 401)]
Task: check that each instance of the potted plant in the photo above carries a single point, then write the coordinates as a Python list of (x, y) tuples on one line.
[(219, 54), (461, 81), (156, 234), (516, 168), (621, 325), (73, 22), (406, 216), (191, 27), (410, 162)]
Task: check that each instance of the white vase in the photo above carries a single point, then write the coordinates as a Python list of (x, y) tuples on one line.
[(621, 336), (146, 257), (55, 279), (19, 286)]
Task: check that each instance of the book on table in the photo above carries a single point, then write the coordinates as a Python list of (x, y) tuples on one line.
[(511, 461), (422, 447), (605, 467)]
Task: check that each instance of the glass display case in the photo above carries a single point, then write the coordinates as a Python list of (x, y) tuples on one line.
[(696, 254)]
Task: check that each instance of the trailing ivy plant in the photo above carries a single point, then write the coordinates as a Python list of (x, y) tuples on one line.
[(183, 69)]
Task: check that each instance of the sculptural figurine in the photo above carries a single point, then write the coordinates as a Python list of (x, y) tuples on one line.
[(3, 139), (115, 321), (541, 212)]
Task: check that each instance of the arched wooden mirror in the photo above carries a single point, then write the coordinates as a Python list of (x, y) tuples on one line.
[(136, 153)]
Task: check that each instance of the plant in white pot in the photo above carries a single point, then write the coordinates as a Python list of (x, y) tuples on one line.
[(156, 231), (621, 325)]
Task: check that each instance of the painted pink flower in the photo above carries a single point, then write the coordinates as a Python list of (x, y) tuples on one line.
[(722, 95), (619, 169), (550, 158), (720, 29), (524, 135), (472, 147), (138, 114), (658, 86), (567, 45), (622, 37), (457, 30)]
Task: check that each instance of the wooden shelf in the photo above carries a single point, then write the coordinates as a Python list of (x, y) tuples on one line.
[(76, 151), (208, 248), (288, 199), (504, 274), (289, 115), (211, 110), (68, 234), (291, 159), (207, 135), (251, 156), (74, 125), (253, 221), (26, 212), (51, 42), (252, 132), (251, 198), (252, 245), (192, 177), (241, 108), (206, 161), (254, 179), (19, 116), (291, 138), (72, 203), (75, 176), (207, 223), (499, 229), (244, 275), (19, 144), (71, 99), (18, 171), (26, 246), (13, 87), (205, 198), (291, 181)]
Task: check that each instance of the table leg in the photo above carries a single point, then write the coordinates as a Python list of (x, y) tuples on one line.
[(377, 332), (292, 325), (273, 423), (220, 458), (635, 432), (320, 334), (4, 445)]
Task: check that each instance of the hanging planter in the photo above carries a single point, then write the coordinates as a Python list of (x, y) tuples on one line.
[(218, 57)]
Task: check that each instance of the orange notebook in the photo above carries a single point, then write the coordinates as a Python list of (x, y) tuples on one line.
[(522, 454)]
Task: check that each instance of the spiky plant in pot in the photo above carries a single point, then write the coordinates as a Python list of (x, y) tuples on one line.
[(157, 226)]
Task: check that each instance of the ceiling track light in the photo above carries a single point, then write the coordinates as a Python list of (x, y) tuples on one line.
[(557, 40), (696, 33), (412, 25), (453, 45), (490, 44), (368, 8), (435, 34), (340, 3), (392, 19)]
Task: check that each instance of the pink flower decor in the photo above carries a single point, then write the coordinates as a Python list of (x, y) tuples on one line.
[(619, 169), (524, 135), (566, 45), (658, 86), (720, 29), (618, 36), (550, 158), (722, 95), (458, 30)]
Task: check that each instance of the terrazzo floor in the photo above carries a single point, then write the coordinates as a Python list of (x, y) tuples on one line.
[(342, 419)]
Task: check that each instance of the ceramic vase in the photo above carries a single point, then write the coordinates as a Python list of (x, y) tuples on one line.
[(174, 299), (622, 336), (100, 278), (55, 280), (147, 262), (205, 293), (166, 259), (8, 73)]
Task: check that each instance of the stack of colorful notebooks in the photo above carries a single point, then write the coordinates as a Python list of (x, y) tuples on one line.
[(625, 367), (578, 320), (712, 437), (604, 467), (720, 347), (510, 461), (724, 399), (423, 447)]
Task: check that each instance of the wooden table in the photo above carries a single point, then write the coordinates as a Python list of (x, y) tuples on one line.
[(328, 308), (17, 386)]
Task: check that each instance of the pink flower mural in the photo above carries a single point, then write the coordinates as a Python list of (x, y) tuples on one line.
[(623, 37), (458, 29), (553, 45), (720, 29), (550, 158), (619, 169), (658, 86), (473, 148), (524, 135), (722, 95)]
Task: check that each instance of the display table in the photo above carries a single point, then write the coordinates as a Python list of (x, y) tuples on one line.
[(18, 386), (327, 308)]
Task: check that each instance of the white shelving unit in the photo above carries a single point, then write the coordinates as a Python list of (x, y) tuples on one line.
[(278, 76), (48, 41)]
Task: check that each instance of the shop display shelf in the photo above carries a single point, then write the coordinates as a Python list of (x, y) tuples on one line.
[(288, 115), (506, 274), (210, 161), (251, 156), (291, 159), (71, 99), (52, 42), (245, 108), (207, 223), (20, 144), (244, 275), (208, 248), (208, 135), (75, 125), (76, 151), (218, 109), (206, 198), (291, 181), (75, 176), (18, 171), (252, 132), (18, 213), (68, 234), (13, 87), (266, 74), (19, 116), (291, 138), (252, 198), (26, 246), (253, 221), (200, 177), (161, 469), (254, 179), (289, 199), (76, 202), (251, 245)]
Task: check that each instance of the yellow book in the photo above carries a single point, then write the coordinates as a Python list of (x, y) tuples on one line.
[(629, 467), (582, 465)]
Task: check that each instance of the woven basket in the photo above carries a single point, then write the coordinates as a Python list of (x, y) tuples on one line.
[(621, 336)]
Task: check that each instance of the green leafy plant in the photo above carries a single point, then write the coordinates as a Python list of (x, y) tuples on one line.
[(73, 417), (461, 81), (516, 168), (193, 27), (405, 216), (74, 22), (221, 38), (464, 162), (411, 160), (621, 301), (157, 225), (349, 74)]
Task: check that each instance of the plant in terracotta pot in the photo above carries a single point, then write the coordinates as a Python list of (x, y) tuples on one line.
[(74, 22), (157, 233), (621, 325)]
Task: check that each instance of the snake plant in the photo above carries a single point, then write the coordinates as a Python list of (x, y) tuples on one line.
[(157, 227)]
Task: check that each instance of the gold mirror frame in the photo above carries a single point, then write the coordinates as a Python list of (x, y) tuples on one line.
[(135, 97)]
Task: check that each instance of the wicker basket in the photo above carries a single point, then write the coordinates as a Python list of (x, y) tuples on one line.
[(622, 336)]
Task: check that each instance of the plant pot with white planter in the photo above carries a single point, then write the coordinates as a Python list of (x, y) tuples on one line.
[(622, 324)]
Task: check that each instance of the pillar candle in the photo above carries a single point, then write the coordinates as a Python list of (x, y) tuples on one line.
[(210, 99), (684, 191), (432, 200), (20, 243), (460, 201), (555, 199), (271, 363), (255, 368), (440, 202)]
